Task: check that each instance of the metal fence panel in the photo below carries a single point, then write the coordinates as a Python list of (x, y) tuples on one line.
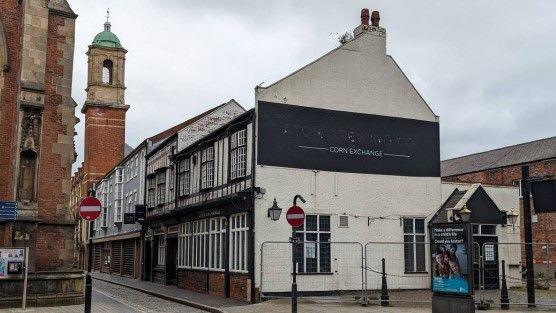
[(491, 257), (325, 268), (406, 267)]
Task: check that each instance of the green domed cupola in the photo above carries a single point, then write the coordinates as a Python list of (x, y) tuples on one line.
[(107, 38)]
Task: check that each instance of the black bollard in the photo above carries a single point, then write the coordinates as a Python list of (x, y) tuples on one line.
[(504, 300), (384, 299)]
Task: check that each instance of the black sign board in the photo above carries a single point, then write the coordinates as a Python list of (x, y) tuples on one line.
[(319, 139), (544, 196), (129, 218), (15, 268), (451, 262), (140, 212)]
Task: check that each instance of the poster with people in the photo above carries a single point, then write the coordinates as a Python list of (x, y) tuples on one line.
[(450, 259), (11, 261)]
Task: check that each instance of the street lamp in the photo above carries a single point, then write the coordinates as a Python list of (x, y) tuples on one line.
[(275, 211), (465, 214)]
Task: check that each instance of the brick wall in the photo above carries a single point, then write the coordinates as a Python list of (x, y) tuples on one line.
[(104, 141), (193, 280), (11, 19), (160, 276), (543, 230), (240, 287), (216, 285)]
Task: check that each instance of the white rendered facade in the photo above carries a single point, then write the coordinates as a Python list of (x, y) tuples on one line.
[(357, 77)]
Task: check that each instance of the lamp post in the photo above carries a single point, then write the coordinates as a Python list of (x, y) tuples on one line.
[(275, 211)]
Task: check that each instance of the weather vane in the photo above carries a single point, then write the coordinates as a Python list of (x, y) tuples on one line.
[(107, 14)]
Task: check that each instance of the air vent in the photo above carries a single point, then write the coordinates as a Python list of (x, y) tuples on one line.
[(344, 221)]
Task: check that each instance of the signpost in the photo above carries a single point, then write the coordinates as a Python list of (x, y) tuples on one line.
[(8, 210), (295, 217), (129, 218), (89, 210)]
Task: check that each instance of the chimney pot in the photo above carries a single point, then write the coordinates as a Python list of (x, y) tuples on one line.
[(375, 18), (365, 17)]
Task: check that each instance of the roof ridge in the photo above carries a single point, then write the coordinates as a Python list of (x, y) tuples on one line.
[(501, 148)]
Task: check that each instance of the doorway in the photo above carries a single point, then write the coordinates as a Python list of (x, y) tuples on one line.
[(485, 248), (171, 260), (147, 261)]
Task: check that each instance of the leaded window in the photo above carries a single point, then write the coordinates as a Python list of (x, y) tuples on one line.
[(207, 168), (238, 152)]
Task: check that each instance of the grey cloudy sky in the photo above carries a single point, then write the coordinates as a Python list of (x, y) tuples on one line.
[(485, 67)]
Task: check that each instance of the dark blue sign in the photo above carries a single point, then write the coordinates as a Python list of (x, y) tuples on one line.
[(8, 210), (318, 139)]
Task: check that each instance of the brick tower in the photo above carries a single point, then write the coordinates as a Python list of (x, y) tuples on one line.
[(105, 106)]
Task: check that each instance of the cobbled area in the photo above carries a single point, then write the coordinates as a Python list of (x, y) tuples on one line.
[(112, 298)]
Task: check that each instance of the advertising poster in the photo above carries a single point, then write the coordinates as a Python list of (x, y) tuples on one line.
[(450, 259), (11, 261)]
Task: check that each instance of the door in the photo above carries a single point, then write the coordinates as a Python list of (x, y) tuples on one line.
[(171, 260), (485, 249), (147, 261)]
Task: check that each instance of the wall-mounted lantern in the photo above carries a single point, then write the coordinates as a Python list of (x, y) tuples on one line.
[(275, 211), (512, 217), (465, 214)]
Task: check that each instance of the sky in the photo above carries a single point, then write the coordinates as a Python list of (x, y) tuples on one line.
[(485, 67)]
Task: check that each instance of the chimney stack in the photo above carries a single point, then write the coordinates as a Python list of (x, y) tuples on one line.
[(375, 18), (365, 17)]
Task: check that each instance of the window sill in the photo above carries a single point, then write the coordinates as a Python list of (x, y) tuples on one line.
[(314, 273), (416, 273)]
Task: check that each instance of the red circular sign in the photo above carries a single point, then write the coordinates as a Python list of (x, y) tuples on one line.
[(89, 209), (295, 216)]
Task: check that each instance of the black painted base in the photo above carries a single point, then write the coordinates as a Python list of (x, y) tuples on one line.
[(452, 304)]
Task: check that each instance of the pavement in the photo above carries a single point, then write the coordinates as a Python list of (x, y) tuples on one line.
[(120, 294)]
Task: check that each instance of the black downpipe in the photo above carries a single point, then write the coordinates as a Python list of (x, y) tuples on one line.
[(251, 251)]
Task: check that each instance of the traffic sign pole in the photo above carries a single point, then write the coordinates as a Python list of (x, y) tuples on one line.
[(295, 217), (89, 210)]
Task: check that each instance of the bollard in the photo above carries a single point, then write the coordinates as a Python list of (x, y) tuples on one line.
[(384, 299), (504, 300)]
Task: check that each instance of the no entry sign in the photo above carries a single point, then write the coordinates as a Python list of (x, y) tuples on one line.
[(89, 209), (295, 216)]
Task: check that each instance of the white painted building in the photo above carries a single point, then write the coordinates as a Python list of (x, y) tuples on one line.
[(357, 77), (351, 135)]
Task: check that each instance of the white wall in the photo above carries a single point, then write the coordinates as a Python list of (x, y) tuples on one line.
[(357, 77)]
